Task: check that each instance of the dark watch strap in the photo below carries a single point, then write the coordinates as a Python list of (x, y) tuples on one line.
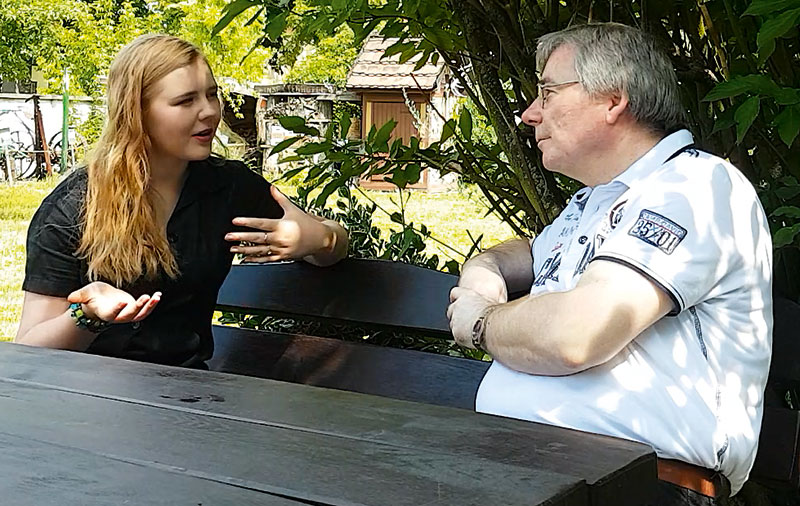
[(479, 330)]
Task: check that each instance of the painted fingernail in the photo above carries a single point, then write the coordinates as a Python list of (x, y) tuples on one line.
[(228, 237)]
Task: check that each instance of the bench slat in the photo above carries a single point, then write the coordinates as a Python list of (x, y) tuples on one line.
[(366, 292), (389, 372)]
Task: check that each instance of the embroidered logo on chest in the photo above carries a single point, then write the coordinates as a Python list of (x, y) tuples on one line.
[(615, 216), (658, 231)]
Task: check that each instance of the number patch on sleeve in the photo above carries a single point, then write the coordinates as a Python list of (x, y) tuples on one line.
[(658, 231)]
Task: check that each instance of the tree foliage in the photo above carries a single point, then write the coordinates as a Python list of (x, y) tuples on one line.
[(737, 61), (84, 36)]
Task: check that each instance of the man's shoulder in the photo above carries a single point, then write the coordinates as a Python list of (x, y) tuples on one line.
[(695, 172)]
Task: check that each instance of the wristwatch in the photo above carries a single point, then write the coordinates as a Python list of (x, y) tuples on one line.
[(479, 331), (84, 322)]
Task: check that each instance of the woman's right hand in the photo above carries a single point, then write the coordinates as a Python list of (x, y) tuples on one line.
[(101, 301)]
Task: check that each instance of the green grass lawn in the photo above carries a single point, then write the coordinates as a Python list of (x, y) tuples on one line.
[(447, 215), (17, 204)]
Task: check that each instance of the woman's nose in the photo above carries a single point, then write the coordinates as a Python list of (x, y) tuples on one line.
[(211, 108)]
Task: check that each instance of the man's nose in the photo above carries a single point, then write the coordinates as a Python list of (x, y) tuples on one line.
[(533, 114)]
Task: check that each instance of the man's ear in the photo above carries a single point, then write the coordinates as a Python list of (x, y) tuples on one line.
[(617, 104)]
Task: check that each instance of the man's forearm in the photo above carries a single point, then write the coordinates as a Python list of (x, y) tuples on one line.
[(566, 332), (511, 260)]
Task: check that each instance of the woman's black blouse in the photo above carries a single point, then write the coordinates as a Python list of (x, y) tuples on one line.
[(178, 331)]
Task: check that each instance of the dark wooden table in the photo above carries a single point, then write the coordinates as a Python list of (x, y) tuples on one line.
[(80, 429)]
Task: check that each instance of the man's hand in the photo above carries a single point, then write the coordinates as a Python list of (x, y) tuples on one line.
[(466, 306), (484, 280), (101, 301), (294, 236)]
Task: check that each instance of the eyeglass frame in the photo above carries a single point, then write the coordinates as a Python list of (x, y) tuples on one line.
[(541, 88)]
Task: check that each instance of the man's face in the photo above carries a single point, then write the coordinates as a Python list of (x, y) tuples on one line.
[(569, 124)]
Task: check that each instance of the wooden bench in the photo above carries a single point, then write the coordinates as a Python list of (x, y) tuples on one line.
[(374, 294), (387, 295)]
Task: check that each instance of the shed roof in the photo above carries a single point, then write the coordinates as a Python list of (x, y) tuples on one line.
[(370, 71)]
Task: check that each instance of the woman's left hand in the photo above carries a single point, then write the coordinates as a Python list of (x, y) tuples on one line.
[(296, 235)]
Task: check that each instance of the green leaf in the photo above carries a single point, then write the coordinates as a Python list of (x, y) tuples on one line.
[(382, 135), (788, 96), (284, 144), (344, 124), (312, 148), (397, 47), (788, 124), (397, 218), (763, 7), (452, 267), (764, 52), (413, 172), (724, 121), (745, 115), (291, 122), (297, 124), (753, 83), (776, 27), (790, 211), (448, 129), (229, 13), (787, 192), (328, 190), (276, 25), (407, 54), (785, 236), (422, 61), (288, 159), (289, 174), (465, 123)]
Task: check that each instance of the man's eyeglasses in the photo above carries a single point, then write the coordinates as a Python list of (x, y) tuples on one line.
[(546, 88)]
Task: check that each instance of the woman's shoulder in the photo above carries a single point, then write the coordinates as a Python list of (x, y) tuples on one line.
[(69, 195)]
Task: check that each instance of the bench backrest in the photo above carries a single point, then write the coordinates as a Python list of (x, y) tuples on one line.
[(778, 458), (366, 292), (369, 293)]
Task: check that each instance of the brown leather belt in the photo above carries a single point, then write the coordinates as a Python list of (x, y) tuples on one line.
[(701, 480)]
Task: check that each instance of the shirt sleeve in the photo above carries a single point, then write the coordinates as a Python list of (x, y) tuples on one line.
[(51, 266), (681, 235), (253, 193)]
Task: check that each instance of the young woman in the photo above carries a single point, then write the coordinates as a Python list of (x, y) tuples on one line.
[(125, 257)]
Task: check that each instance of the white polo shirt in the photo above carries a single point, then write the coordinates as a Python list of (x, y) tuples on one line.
[(692, 384)]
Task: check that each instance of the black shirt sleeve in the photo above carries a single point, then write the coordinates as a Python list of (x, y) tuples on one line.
[(253, 193), (51, 266)]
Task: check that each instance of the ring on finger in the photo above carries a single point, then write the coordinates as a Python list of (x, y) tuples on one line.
[(269, 251), (265, 238)]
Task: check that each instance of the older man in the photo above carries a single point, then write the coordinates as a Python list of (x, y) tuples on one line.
[(649, 314)]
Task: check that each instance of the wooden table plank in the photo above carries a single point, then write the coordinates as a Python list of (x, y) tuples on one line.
[(609, 465), (310, 466), (40, 474)]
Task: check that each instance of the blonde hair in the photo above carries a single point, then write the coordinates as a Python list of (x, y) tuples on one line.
[(122, 238)]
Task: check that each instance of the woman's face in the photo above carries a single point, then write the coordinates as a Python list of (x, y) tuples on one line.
[(182, 115)]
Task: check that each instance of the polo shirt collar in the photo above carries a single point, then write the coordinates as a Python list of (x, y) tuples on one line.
[(656, 157)]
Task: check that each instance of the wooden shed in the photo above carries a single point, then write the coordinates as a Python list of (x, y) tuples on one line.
[(417, 100)]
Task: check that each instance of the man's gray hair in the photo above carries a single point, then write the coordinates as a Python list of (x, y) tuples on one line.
[(611, 57)]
